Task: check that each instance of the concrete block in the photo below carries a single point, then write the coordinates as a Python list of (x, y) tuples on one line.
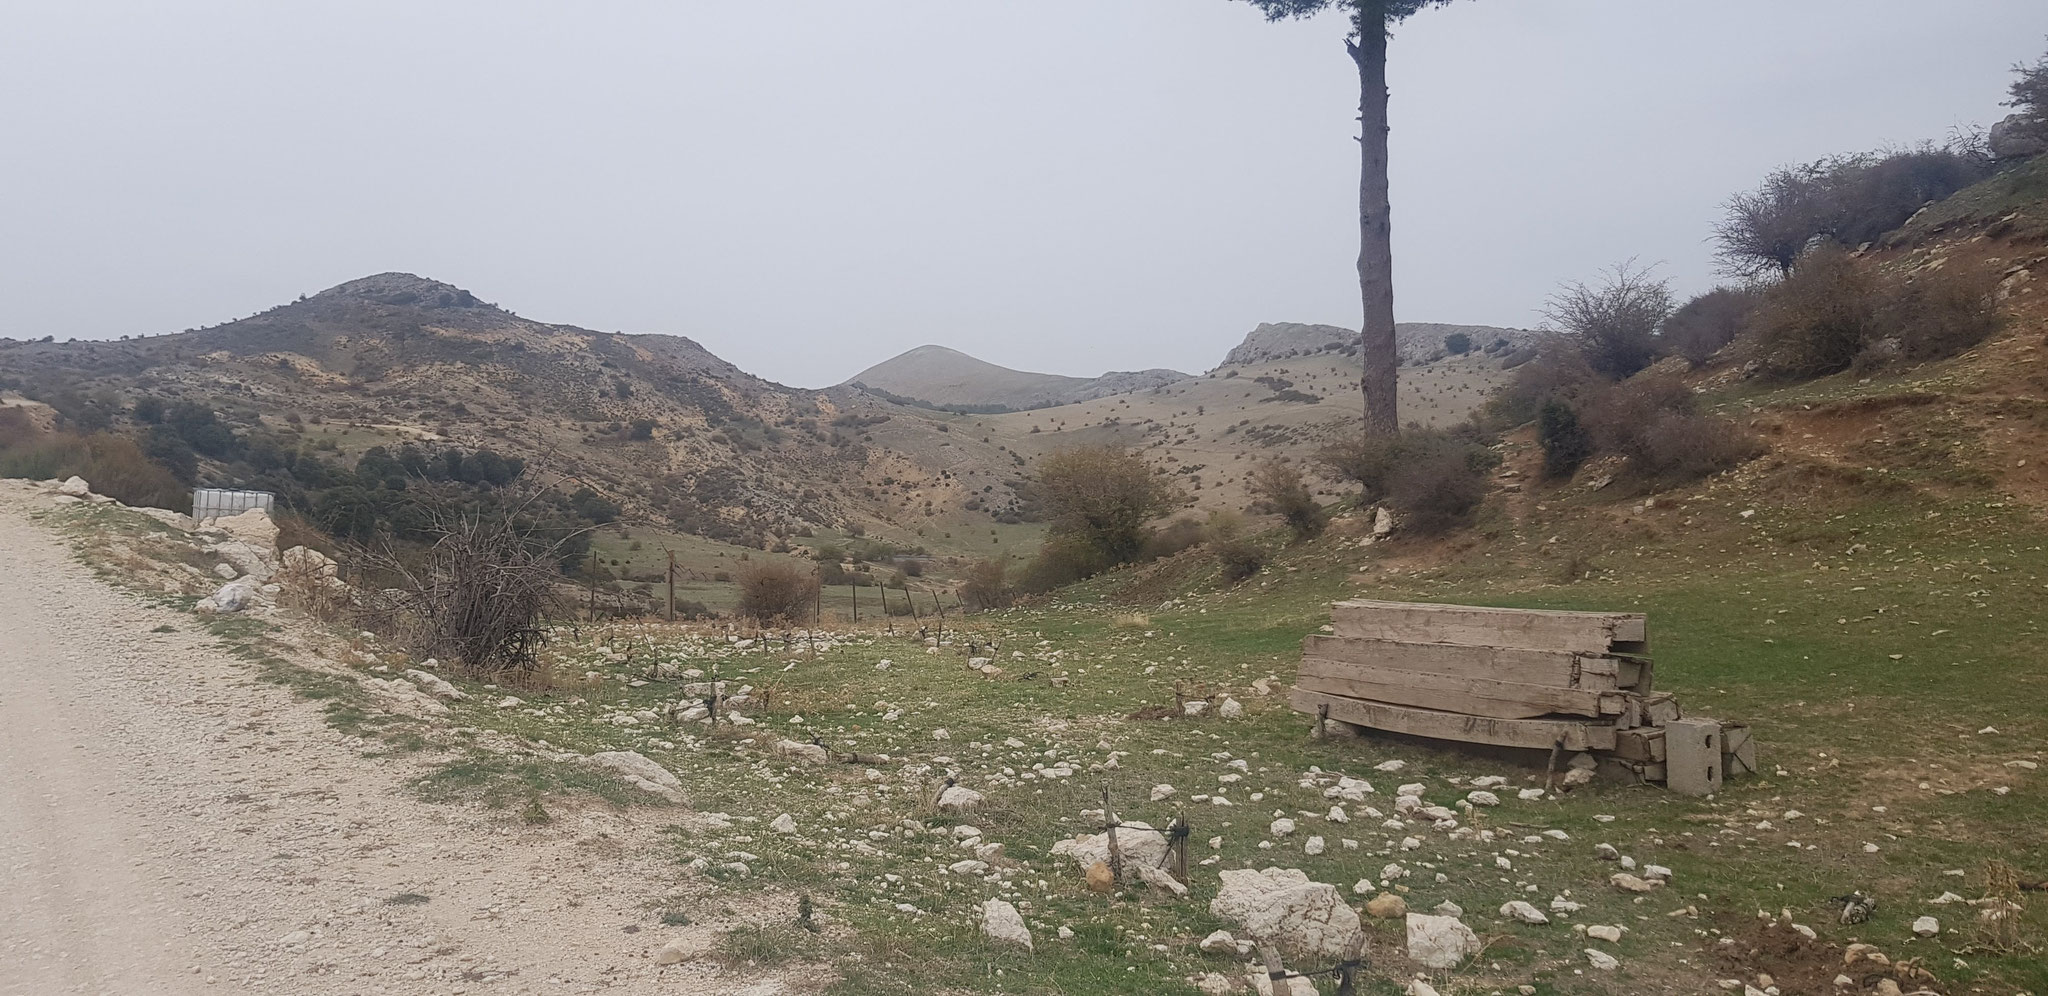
[(1692, 753)]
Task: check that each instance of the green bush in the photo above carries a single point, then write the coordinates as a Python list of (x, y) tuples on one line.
[(987, 586), (1281, 489), (1565, 442), (1236, 555), (1656, 424)]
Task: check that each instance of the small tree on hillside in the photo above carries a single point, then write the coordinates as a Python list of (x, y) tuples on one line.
[(1767, 229), (1565, 442), (1614, 324), (1280, 487), (1457, 344), (1101, 497)]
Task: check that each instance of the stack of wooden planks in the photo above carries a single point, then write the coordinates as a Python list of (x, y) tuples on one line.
[(1532, 678)]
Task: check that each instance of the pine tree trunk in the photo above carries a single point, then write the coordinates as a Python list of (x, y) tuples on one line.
[(1376, 347)]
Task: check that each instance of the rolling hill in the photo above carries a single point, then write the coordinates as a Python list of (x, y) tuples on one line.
[(948, 378)]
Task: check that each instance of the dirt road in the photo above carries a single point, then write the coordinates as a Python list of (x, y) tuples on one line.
[(169, 826)]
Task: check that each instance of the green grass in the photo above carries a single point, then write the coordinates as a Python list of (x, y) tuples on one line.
[(1769, 619)]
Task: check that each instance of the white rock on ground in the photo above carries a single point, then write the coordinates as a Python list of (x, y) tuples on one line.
[(784, 824), (400, 695), (1440, 942), (435, 685), (1220, 942), (1419, 988), (1926, 926), (682, 949), (1519, 910), (640, 772), (1601, 960), (1604, 932), (1004, 925), (1139, 843), (1230, 708), (1307, 919), (957, 799), (800, 751)]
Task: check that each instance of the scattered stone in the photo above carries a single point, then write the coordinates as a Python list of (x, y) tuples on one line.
[(1004, 925), (1440, 942), (1631, 883), (784, 824), (1161, 792), (1926, 926), (1220, 942), (1230, 708), (1603, 932), (1482, 798), (1195, 708), (957, 799), (1418, 987), (1282, 827), (1519, 910), (1602, 960)]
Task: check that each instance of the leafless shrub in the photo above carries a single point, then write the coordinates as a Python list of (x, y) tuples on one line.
[(987, 586), (775, 590), (1615, 323), (477, 592)]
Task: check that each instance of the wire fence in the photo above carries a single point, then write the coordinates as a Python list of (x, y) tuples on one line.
[(216, 503)]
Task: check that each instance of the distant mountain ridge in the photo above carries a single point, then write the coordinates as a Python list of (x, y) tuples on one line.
[(1418, 342), (950, 379)]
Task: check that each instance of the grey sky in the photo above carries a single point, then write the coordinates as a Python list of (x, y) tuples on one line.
[(809, 186)]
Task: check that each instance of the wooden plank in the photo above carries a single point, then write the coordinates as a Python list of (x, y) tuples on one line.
[(1534, 733), (1641, 744), (1476, 696), (1480, 626), (1531, 667)]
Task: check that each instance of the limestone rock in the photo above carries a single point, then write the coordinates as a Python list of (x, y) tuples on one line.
[(1004, 925), (1601, 960), (682, 949), (1926, 926), (1519, 910), (784, 824), (435, 685), (1220, 942), (1387, 906), (1306, 919), (640, 772), (1139, 844), (958, 799), (799, 751), (1440, 942)]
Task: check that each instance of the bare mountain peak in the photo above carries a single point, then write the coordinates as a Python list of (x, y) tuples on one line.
[(401, 289)]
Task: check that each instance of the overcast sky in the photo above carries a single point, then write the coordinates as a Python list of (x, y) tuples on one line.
[(810, 186)]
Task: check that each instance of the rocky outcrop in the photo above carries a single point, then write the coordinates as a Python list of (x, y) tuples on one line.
[(1417, 342)]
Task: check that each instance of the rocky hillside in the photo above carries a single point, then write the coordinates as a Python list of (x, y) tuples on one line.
[(948, 378), (655, 422), (1419, 342)]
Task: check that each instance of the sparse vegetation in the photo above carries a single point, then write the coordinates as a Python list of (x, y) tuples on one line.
[(1281, 489)]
